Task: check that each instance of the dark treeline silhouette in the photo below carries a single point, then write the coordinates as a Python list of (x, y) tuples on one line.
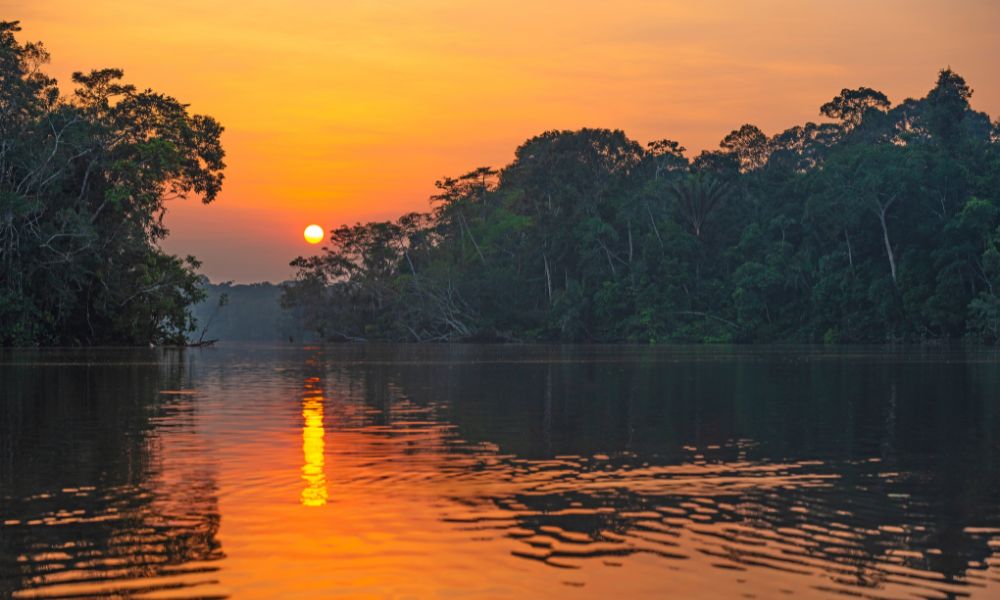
[(879, 225), (84, 182)]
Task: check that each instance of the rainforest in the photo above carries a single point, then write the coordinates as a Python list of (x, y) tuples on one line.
[(878, 224)]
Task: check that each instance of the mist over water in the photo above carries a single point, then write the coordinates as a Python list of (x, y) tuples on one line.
[(500, 471)]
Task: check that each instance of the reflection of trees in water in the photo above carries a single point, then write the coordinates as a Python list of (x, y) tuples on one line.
[(873, 472), (90, 487)]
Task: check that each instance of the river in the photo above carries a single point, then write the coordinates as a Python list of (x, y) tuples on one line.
[(500, 471)]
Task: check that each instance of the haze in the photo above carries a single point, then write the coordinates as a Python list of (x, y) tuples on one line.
[(347, 111)]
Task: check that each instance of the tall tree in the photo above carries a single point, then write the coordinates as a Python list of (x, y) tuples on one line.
[(851, 105), (84, 186)]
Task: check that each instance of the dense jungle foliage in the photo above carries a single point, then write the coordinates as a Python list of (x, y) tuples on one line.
[(879, 224), (84, 183)]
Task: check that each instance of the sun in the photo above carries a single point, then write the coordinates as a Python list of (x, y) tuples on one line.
[(313, 234)]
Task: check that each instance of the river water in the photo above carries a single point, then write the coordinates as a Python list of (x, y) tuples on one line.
[(468, 471)]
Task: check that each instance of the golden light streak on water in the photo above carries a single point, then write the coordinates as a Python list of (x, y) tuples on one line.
[(313, 447)]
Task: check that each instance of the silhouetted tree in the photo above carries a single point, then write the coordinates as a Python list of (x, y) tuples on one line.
[(84, 182)]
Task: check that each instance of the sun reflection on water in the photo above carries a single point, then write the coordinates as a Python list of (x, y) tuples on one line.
[(313, 445)]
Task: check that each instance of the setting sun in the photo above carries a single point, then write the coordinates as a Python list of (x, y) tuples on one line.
[(313, 234)]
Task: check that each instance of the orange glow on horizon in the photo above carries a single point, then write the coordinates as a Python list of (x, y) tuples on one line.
[(349, 111)]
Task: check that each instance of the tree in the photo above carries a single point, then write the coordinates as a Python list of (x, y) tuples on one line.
[(749, 145), (84, 186), (948, 104), (697, 197), (667, 156), (851, 106)]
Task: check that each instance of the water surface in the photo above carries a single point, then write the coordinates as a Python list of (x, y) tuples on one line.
[(500, 472)]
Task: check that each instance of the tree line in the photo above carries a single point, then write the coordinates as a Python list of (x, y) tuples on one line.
[(85, 179), (879, 224)]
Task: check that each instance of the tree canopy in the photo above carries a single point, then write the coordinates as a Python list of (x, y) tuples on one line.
[(877, 225), (85, 179)]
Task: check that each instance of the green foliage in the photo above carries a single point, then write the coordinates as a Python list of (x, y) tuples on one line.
[(880, 226), (84, 181)]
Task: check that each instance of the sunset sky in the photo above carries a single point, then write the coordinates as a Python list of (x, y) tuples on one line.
[(338, 111)]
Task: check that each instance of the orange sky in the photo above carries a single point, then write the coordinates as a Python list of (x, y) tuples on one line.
[(345, 110)]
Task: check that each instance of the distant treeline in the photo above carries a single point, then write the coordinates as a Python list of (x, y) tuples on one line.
[(84, 182), (878, 225), (245, 312)]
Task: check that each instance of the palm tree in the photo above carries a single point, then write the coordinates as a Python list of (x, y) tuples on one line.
[(697, 197)]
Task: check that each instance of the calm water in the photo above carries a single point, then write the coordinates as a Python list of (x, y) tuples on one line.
[(507, 472)]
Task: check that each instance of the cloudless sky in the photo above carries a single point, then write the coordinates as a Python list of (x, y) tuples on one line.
[(345, 110)]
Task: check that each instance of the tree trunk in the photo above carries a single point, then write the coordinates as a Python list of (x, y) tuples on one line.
[(464, 224), (882, 212), (548, 276), (656, 229), (630, 241), (850, 252)]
